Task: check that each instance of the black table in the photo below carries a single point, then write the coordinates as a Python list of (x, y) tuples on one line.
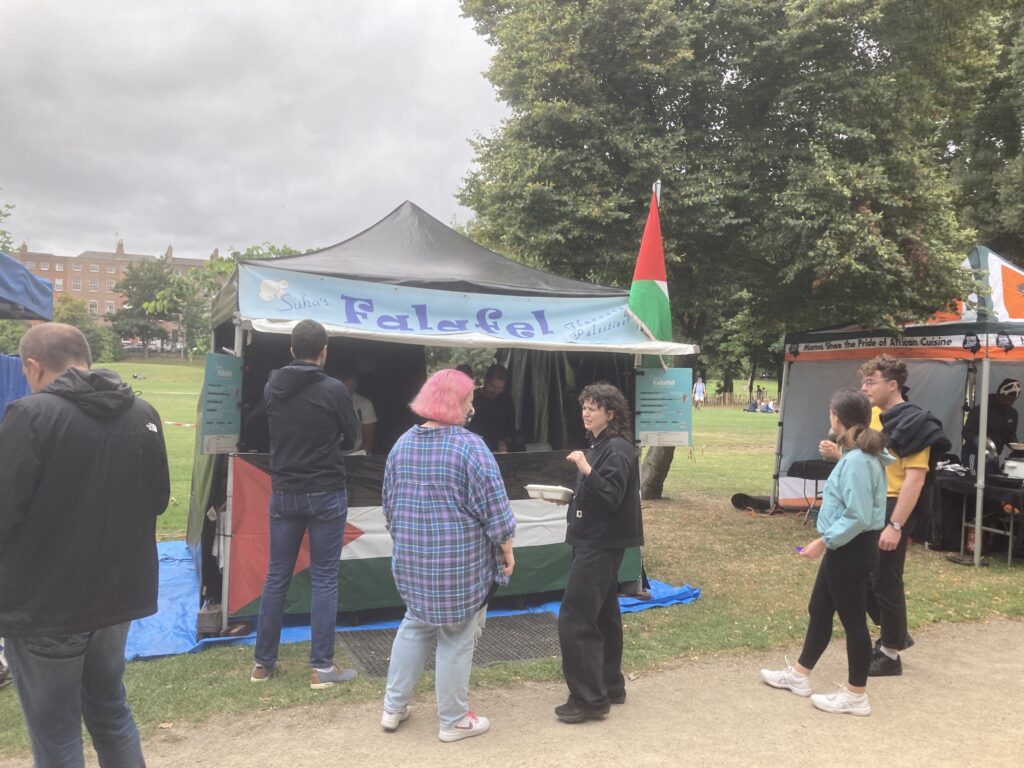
[(966, 486), (815, 470)]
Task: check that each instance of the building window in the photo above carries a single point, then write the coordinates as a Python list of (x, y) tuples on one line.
[(76, 284), (30, 265), (58, 284), (111, 269), (59, 266), (110, 284), (109, 307), (94, 285), (44, 265), (94, 267), (76, 267), (94, 307)]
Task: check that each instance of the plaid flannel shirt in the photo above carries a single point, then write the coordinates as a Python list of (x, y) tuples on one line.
[(447, 512)]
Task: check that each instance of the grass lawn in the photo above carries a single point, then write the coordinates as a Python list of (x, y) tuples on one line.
[(754, 587)]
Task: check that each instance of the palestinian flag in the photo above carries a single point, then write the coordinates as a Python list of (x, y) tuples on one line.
[(648, 296)]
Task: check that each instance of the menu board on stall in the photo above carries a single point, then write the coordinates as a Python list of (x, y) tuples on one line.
[(221, 403), (664, 408)]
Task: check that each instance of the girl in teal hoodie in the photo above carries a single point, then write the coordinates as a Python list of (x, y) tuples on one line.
[(852, 514)]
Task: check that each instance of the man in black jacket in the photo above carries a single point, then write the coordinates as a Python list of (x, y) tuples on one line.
[(83, 468), (312, 423)]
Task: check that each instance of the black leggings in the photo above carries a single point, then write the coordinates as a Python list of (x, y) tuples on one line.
[(840, 588)]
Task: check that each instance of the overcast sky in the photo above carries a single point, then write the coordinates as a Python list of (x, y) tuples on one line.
[(226, 124)]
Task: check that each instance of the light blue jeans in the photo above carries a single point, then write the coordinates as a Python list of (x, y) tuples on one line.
[(453, 664)]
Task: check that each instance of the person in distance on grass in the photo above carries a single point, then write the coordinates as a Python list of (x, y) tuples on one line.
[(83, 473), (452, 526), (603, 520), (851, 515), (311, 422)]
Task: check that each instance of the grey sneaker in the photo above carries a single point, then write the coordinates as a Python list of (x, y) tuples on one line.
[(471, 724), (789, 679), (843, 702), (390, 721), (261, 673), (319, 680)]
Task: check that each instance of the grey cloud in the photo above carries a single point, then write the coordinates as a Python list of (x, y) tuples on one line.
[(225, 124)]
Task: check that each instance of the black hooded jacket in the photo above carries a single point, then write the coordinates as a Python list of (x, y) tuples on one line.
[(83, 476), (312, 423)]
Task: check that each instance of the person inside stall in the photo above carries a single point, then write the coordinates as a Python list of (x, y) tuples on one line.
[(494, 416), (366, 413), (1002, 421)]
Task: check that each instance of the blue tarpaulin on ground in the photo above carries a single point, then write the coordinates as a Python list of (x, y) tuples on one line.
[(172, 630)]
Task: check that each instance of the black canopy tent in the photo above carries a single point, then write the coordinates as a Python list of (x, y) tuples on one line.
[(409, 249)]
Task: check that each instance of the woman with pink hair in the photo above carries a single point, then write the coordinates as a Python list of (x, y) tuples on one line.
[(452, 526)]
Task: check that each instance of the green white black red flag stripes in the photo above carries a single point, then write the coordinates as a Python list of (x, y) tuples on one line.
[(648, 296)]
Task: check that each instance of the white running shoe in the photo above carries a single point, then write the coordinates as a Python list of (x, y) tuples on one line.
[(789, 679), (390, 721), (471, 724), (843, 702)]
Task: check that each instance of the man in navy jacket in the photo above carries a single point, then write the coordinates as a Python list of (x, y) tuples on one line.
[(312, 423)]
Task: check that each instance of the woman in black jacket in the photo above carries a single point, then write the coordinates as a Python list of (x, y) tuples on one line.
[(603, 520)]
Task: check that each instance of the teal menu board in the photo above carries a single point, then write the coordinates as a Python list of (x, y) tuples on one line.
[(221, 405), (664, 408)]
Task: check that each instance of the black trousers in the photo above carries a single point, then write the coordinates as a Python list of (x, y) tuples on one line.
[(590, 627), (839, 588), (887, 601)]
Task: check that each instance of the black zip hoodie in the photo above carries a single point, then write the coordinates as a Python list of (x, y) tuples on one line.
[(605, 510), (312, 423), (83, 473)]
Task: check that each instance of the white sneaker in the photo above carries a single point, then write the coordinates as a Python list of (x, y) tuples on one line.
[(789, 679), (843, 702), (470, 725), (390, 721)]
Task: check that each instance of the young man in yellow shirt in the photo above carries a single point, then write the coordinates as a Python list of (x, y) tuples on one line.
[(911, 435)]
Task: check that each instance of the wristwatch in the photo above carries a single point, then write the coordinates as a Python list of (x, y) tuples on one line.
[(896, 526)]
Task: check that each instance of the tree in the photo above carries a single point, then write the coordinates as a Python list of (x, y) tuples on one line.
[(140, 286), (102, 342), (11, 332), (801, 146), (987, 155), (188, 297)]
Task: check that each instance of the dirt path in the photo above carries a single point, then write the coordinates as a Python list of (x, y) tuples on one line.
[(959, 702)]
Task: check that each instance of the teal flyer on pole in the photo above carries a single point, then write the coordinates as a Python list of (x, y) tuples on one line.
[(221, 403), (664, 406)]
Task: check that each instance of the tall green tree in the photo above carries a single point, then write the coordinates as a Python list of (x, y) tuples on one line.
[(987, 154), (140, 286), (801, 143)]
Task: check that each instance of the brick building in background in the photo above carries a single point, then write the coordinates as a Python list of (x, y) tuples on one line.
[(92, 275)]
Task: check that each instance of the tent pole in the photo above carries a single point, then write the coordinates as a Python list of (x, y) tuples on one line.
[(225, 533), (226, 525), (778, 435), (979, 496)]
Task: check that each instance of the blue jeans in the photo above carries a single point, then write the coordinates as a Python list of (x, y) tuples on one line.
[(453, 664), (292, 515), (61, 680)]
